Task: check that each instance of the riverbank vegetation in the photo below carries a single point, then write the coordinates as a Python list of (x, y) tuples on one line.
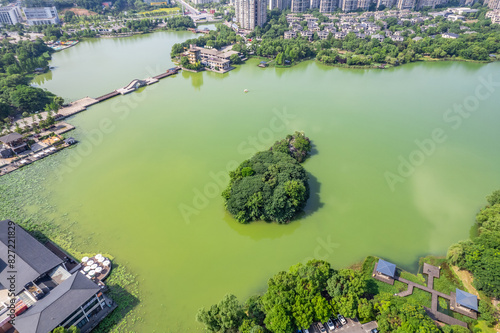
[(480, 256), (272, 185), (315, 292)]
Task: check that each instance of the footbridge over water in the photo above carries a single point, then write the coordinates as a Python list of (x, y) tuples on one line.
[(137, 83)]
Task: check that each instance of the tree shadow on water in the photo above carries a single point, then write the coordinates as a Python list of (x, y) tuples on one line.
[(314, 203)]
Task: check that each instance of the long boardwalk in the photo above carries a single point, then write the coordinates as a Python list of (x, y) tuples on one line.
[(72, 109)]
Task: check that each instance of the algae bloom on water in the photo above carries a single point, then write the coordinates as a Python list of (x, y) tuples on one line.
[(272, 185)]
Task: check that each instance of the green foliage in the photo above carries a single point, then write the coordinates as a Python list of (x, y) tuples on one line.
[(487, 312), (402, 315), (347, 282), (494, 198), (293, 299), (271, 186), (226, 315), (17, 61), (481, 255), (29, 99), (180, 23), (235, 59), (455, 329), (297, 146), (221, 37), (72, 329)]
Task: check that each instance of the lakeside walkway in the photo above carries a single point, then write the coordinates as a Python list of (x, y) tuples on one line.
[(431, 272)]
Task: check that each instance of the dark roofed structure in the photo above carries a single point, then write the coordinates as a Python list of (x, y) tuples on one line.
[(386, 268), (7, 139), (32, 258), (62, 301), (466, 300), (49, 312)]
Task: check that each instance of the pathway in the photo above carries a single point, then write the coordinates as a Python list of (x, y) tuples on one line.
[(431, 272)]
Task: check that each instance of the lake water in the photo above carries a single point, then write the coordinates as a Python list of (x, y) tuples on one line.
[(396, 172)]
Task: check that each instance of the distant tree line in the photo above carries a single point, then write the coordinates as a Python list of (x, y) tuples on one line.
[(180, 23)]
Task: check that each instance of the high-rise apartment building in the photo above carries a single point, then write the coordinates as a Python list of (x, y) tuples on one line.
[(300, 6), (328, 6), (251, 13)]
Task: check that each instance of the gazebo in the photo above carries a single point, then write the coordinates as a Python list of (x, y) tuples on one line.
[(466, 300), (384, 271), (386, 268)]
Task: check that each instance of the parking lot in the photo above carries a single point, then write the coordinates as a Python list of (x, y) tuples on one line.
[(353, 326)]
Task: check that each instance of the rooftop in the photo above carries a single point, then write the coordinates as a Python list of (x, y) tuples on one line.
[(467, 300), (32, 258), (49, 312), (10, 137), (386, 268)]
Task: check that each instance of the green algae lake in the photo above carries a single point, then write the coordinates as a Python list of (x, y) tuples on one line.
[(402, 161)]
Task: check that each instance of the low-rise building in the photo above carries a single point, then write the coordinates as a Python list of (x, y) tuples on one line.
[(307, 34), (41, 15), (290, 34), (494, 15), (10, 15), (323, 34), (14, 142), (449, 35), (211, 58)]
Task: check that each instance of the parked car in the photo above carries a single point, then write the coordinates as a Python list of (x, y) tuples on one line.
[(331, 325), (374, 330), (337, 322), (342, 319), (321, 328), (306, 330)]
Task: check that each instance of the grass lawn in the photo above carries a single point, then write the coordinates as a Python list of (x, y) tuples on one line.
[(484, 328)]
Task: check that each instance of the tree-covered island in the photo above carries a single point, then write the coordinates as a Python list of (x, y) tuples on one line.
[(272, 185)]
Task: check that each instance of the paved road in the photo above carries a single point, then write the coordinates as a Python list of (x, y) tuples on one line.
[(352, 326), (187, 6)]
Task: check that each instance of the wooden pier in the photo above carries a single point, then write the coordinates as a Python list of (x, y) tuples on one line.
[(107, 96)]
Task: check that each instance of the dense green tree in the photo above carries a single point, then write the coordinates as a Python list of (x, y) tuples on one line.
[(235, 59), (29, 99), (226, 315), (494, 198), (271, 186), (479, 255), (180, 23)]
